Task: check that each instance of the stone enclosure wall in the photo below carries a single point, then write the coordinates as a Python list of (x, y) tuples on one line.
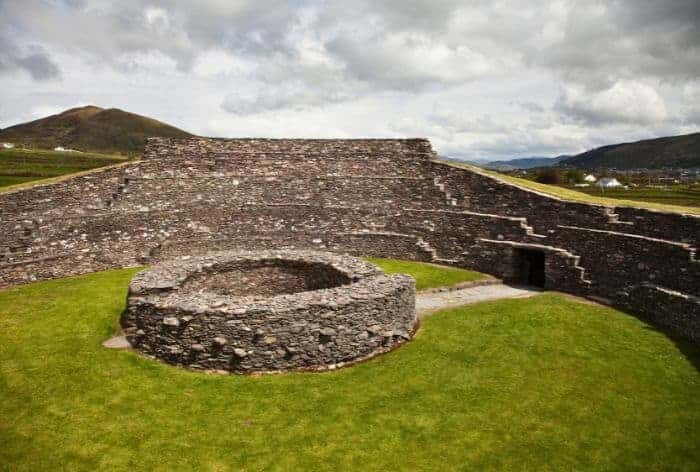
[(366, 197), (350, 311)]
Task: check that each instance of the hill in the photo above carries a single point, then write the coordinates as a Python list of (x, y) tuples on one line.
[(90, 128), (525, 162), (670, 152)]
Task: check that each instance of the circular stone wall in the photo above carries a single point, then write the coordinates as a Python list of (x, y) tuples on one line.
[(267, 311)]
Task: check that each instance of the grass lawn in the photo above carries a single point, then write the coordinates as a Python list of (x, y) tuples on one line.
[(685, 195), (544, 383), (7, 180), (576, 196), (427, 275), (24, 165)]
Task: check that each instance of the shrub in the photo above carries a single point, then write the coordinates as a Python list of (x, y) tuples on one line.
[(548, 176), (574, 176)]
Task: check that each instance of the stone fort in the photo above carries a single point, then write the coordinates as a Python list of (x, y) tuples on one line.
[(378, 197)]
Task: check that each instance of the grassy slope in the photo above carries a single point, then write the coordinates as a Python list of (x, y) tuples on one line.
[(531, 384), (25, 165), (575, 196), (679, 195), (669, 151), (11, 181), (428, 275)]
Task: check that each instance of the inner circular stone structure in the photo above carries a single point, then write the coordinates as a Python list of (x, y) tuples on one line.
[(265, 311)]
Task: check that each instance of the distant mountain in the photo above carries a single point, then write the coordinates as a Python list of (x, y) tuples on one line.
[(525, 162), (475, 162), (90, 128), (673, 151)]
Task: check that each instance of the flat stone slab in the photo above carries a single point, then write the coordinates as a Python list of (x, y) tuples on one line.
[(427, 303), (117, 342)]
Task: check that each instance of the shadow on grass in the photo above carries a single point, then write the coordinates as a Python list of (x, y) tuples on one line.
[(689, 350)]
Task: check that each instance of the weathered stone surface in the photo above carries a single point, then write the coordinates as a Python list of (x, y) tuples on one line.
[(117, 342), (245, 329), (386, 198)]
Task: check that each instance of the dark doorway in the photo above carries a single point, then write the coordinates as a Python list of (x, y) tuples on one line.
[(529, 267)]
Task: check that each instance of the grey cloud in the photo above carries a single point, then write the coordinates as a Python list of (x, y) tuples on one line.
[(456, 122), (107, 31), (532, 107), (428, 16), (603, 42), (382, 43), (33, 60), (39, 65), (292, 95)]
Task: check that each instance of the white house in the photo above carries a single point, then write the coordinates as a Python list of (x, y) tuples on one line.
[(62, 149), (590, 178), (608, 182)]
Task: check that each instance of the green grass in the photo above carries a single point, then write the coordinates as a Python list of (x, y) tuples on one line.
[(576, 196), (10, 180), (24, 165), (684, 195), (428, 275), (545, 383)]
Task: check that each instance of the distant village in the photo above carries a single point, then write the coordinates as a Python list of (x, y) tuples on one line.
[(612, 178), (57, 148)]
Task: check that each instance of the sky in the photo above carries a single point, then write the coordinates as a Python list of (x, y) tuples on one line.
[(481, 79)]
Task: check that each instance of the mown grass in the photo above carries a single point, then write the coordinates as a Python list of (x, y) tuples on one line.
[(683, 195), (428, 275), (545, 383), (24, 165), (576, 196), (9, 180)]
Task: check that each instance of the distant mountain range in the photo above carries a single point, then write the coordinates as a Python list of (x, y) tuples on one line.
[(90, 128), (668, 152), (526, 162)]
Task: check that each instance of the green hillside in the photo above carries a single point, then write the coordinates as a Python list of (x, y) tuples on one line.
[(90, 128), (669, 152)]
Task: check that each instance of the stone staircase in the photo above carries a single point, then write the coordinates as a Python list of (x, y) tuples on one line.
[(529, 230), (425, 245), (575, 264), (614, 218)]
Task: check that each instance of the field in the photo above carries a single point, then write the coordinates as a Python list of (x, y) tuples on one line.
[(684, 195), (19, 166), (544, 383)]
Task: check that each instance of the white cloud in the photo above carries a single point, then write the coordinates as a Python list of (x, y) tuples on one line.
[(627, 101)]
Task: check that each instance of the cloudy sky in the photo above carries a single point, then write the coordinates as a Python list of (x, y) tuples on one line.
[(481, 79)]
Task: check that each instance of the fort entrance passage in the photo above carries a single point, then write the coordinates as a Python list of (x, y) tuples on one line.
[(530, 267)]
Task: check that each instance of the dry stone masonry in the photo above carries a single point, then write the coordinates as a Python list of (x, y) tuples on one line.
[(383, 197), (267, 311)]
